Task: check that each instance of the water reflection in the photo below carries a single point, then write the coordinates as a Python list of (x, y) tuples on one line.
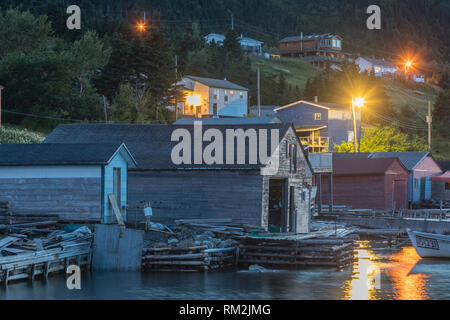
[(407, 286), (366, 274)]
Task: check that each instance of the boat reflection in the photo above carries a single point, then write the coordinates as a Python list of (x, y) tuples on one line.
[(406, 286), (366, 282)]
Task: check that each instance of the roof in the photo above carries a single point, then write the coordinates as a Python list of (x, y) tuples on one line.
[(309, 37), (362, 166), (409, 159), (444, 165), (445, 177), (151, 144), (378, 62), (351, 155), (62, 154), (308, 128), (217, 83), (325, 105), (240, 120)]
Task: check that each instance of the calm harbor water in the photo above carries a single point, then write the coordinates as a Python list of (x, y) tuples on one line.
[(378, 274)]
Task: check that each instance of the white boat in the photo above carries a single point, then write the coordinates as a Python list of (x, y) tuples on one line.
[(430, 245)]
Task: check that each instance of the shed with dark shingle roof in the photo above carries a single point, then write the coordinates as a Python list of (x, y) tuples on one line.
[(70, 180)]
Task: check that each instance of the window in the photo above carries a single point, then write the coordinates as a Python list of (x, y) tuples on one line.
[(215, 109), (216, 94), (447, 186), (225, 97), (231, 93), (416, 183), (241, 94), (350, 136), (317, 116)]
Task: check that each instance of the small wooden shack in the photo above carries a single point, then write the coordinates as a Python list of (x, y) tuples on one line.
[(440, 187), (70, 180), (245, 192), (364, 183)]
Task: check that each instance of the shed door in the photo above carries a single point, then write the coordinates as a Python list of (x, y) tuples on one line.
[(116, 184), (400, 196)]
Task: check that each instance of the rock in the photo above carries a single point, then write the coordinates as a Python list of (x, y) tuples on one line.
[(258, 268), (172, 241)]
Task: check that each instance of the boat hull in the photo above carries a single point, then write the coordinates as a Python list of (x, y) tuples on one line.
[(430, 245)]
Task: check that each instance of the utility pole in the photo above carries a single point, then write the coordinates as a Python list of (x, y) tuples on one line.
[(176, 80), (104, 109), (355, 138), (429, 119), (1, 88), (259, 93), (232, 19)]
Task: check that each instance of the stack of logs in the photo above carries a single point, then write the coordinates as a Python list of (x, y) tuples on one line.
[(277, 253), (197, 258)]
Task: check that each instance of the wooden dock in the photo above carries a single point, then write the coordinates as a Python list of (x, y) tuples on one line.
[(198, 258), (294, 254)]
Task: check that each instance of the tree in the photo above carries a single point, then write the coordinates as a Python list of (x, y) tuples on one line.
[(384, 139), (89, 55), (232, 46), (22, 32), (441, 114)]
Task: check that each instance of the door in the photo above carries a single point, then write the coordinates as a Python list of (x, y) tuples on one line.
[(116, 184), (292, 211), (277, 205), (400, 196)]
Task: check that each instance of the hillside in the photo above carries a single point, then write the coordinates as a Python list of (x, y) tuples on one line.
[(10, 134), (296, 72)]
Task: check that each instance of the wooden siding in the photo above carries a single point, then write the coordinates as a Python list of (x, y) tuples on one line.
[(196, 194), (426, 168), (70, 198)]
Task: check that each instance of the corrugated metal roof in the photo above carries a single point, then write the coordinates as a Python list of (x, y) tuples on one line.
[(217, 83), (151, 145), (326, 105), (409, 159), (58, 153), (351, 155), (445, 177), (362, 166), (378, 62)]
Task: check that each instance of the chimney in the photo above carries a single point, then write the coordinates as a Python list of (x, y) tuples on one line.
[(316, 99)]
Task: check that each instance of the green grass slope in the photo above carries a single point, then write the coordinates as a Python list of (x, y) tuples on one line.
[(296, 72)]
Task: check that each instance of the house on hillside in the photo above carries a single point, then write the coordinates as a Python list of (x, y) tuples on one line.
[(69, 180), (320, 125), (379, 67), (365, 183), (314, 48), (208, 97), (248, 45), (260, 192)]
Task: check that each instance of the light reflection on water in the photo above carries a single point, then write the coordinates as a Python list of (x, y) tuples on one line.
[(376, 274)]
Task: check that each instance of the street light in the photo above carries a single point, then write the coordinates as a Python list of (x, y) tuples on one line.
[(359, 102), (407, 66), (141, 27)]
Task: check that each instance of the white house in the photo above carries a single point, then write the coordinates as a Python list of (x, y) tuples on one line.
[(207, 97), (249, 45), (380, 67)]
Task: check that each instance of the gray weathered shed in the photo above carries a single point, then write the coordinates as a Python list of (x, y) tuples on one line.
[(248, 192)]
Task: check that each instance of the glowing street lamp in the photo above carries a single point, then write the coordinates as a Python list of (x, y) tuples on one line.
[(407, 65), (141, 27), (358, 102)]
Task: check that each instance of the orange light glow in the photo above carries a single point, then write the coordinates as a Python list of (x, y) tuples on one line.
[(359, 102), (141, 27), (193, 100)]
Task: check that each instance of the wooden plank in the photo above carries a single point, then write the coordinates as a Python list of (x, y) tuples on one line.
[(116, 210), (8, 241)]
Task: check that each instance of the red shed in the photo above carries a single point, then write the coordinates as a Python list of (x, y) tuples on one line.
[(368, 183)]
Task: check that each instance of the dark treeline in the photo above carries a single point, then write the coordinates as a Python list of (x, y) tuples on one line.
[(270, 20)]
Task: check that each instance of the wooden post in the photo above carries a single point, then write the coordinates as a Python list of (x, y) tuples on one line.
[(116, 210), (319, 192), (1, 88), (259, 94), (330, 188)]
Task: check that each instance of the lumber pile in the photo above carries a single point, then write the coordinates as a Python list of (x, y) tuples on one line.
[(197, 258), (219, 226), (288, 253), (24, 258)]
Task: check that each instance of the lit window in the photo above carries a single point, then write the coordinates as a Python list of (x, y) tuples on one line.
[(216, 94), (317, 116), (231, 93)]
